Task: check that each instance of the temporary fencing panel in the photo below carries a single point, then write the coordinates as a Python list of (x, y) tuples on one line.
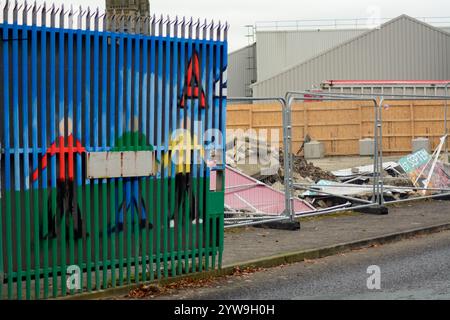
[(93, 123)]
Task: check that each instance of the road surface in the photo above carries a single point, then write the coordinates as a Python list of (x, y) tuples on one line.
[(417, 268)]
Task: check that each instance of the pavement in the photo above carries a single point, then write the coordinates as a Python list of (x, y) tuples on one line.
[(246, 244), (319, 237), (411, 269)]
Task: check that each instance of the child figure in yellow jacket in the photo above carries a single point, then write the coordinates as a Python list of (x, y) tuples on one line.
[(182, 146)]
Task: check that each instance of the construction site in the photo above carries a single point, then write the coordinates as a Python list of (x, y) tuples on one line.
[(336, 164), (356, 135)]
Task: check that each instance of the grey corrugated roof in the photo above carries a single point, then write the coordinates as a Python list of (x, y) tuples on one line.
[(241, 49), (355, 39)]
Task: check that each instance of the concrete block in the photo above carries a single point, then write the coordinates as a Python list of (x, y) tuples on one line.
[(314, 150), (366, 147), (421, 143)]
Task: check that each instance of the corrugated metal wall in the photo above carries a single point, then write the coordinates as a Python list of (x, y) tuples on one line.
[(403, 48), (278, 50), (242, 71)]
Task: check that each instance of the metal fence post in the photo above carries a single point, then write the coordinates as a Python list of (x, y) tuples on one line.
[(375, 154), (287, 159), (445, 123), (288, 166), (380, 152), (378, 186), (291, 161)]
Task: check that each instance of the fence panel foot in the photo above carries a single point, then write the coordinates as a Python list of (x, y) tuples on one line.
[(281, 225), (378, 210), (444, 197)]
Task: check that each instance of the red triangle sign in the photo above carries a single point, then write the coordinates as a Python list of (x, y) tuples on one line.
[(192, 90)]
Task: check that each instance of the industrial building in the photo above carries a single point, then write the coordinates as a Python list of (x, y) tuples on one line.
[(402, 48)]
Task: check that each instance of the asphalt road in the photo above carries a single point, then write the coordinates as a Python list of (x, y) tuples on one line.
[(411, 269)]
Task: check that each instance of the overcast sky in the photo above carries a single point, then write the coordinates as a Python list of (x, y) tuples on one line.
[(243, 12)]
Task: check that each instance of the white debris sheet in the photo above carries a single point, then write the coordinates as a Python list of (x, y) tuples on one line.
[(346, 189), (345, 174)]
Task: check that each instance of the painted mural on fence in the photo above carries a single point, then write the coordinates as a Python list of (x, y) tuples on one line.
[(71, 88), (181, 144)]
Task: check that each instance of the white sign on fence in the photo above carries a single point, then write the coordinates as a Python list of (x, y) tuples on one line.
[(119, 164)]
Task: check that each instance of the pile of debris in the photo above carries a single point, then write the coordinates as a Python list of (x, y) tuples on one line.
[(417, 174), (258, 159), (357, 183), (402, 179), (307, 169), (304, 172)]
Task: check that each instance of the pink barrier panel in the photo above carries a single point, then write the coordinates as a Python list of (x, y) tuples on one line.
[(247, 194)]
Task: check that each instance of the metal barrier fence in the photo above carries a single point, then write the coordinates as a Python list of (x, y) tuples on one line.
[(376, 198), (91, 196), (377, 188), (290, 214)]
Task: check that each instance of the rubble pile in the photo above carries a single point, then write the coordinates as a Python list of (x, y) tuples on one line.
[(304, 172), (258, 159), (324, 189), (307, 169)]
